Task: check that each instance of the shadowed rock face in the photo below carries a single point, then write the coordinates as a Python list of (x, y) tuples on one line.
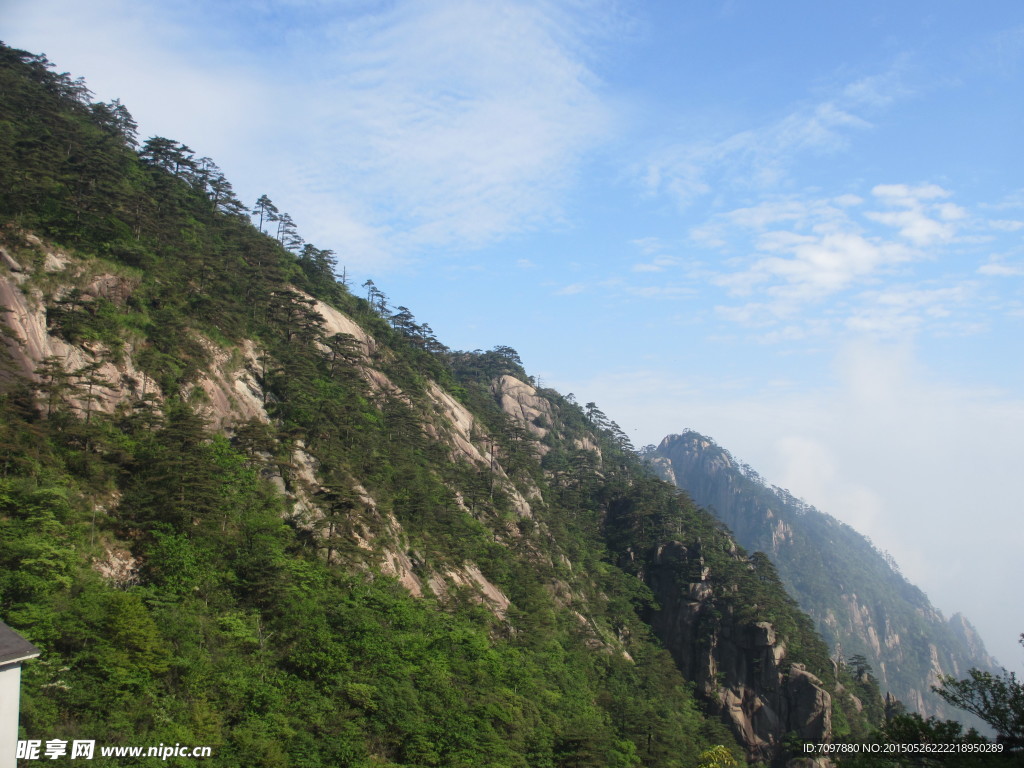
[(740, 667)]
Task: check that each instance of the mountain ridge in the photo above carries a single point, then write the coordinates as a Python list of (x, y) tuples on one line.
[(860, 601)]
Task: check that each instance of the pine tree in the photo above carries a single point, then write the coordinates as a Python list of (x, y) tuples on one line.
[(265, 209)]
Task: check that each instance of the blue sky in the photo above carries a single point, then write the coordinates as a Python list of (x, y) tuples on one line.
[(795, 227)]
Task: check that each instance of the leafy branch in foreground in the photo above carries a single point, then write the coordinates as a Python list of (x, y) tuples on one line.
[(996, 699)]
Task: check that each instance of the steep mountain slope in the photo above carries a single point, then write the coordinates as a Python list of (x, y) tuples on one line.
[(860, 602), (242, 507)]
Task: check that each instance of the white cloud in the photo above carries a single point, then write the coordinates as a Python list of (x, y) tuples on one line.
[(660, 264), (878, 90), (752, 314), (816, 268), (898, 312), (795, 213), (649, 246), (913, 221), (826, 264), (847, 201), (665, 290), (1011, 201), (904, 194), (1000, 268), (820, 253), (571, 290)]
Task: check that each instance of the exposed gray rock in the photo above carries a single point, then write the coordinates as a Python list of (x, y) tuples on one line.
[(740, 667), (521, 401)]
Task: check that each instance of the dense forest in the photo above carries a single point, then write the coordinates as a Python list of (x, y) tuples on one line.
[(242, 506)]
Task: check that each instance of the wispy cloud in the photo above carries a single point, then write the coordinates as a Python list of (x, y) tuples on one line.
[(802, 267), (760, 157), (659, 264), (1000, 267), (811, 268), (1001, 52), (571, 290), (804, 252), (673, 289), (649, 246), (919, 217), (900, 311), (1006, 225), (453, 123)]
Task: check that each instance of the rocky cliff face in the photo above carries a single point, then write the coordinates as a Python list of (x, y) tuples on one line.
[(860, 603), (232, 396), (740, 666)]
